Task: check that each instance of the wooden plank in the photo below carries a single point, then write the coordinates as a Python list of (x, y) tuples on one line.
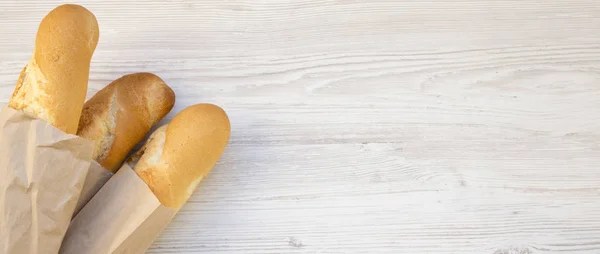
[(370, 126)]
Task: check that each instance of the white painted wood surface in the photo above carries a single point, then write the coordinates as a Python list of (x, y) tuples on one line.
[(380, 126)]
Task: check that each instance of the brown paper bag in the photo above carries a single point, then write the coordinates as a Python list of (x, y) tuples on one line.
[(123, 217), (42, 171), (96, 178)]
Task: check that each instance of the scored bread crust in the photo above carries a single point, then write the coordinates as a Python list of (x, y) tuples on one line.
[(53, 85), (118, 117), (177, 156)]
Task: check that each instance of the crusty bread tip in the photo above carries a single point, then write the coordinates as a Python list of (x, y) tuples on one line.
[(178, 155), (120, 115), (53, 85)]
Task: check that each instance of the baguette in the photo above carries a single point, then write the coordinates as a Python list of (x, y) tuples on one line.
[(118, 117), (177, 156), (53, 85)]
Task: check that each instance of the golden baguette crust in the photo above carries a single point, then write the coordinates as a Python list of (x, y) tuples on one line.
[(53, 85), (118, 117), (177, 156)]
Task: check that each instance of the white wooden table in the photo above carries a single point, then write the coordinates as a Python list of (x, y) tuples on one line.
[(379, 126)]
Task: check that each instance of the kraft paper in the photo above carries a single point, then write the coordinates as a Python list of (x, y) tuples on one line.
[(123, 217), (42, 171), (96, 178)]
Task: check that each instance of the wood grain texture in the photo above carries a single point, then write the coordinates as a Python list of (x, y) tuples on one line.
[(380, 126)]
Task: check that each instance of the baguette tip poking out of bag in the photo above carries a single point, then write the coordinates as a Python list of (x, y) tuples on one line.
[(117, 118), (120, 115), (138, 202), (53, 85), (42, 169), (177, 156)]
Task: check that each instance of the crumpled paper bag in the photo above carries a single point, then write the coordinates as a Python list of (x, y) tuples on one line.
[(42, 171), (96, 178), (123, 217)]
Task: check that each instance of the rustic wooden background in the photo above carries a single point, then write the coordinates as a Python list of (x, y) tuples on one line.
[(379, 126)]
